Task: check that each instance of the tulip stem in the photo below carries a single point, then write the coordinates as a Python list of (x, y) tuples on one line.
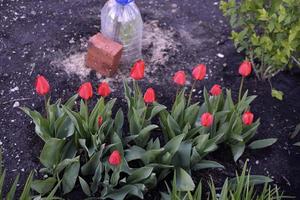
[(191, 92), (145, 116), (241, 88), (87, 108), (46, 105)]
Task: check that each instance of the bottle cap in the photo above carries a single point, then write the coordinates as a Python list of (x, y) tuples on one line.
[(124, 2)]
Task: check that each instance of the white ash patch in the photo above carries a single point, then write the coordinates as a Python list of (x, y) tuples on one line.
[(159, 42), (73, 64)]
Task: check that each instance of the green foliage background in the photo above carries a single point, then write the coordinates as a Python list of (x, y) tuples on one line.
[(267, 30)]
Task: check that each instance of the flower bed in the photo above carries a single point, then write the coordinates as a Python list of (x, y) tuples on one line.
[(87, 146)]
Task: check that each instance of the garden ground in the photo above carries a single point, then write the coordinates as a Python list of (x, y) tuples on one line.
[(49, 37)]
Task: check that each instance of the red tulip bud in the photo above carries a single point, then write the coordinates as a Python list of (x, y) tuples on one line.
[(138, 69), (199, 72), (245, 68), (100, 120), (207, 119), (248, 118), (115, 158), (42, 86), (103, 89), (179, 78), (86, 91), (149, 96), (216, 90)]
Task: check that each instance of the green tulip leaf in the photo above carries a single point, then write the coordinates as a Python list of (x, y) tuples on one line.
[(260, 144), (51, 153), (277, 94), (184, 182)]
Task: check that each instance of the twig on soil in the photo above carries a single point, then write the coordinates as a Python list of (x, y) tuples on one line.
[(296, 61), (287, 181), (32, 69), (13, 100)]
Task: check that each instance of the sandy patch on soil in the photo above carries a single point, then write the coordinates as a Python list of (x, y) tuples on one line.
[(157, 42)]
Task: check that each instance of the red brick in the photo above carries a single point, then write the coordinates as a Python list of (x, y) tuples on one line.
[(103, 54)]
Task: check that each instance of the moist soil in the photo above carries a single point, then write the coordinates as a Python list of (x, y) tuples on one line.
[(179, 34)]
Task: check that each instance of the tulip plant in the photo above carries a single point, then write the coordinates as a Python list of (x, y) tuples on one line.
[(140, 110), (87, 145)]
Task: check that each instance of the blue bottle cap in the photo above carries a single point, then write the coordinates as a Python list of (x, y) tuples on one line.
[(124, 2)]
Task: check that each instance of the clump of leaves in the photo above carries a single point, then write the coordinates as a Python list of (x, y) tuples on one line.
[(268, 32), (243, 186), (140, 115), (82, 156), (228, 123)]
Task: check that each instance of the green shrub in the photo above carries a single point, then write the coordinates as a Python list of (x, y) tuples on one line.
[(268, 31)]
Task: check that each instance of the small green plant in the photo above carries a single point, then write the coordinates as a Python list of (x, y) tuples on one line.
[(268, 32), (26, 193), (242, 187)]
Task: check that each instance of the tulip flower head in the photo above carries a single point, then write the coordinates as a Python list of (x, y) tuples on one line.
[(86, 91), (138, 70), (199, 72), (179, 78), (115, 158), (100, 121), (104, 89), (245, 68), (149, 96), (207, 119), (42, 86), (248, 118), (216, 90)]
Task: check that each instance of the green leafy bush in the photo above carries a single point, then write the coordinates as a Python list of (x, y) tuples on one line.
[(243, 186), (268, 32)]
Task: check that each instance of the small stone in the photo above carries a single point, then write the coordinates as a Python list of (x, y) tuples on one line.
[(16, 104), (1, 143), (14, 89), (22, 170), (257, 162), (220, 55), (72, 41)]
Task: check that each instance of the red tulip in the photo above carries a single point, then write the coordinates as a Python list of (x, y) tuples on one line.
[(86, 91), (100, 120), (199, 72), (248, 118), (103, 89), (138, 70), (42, 86), (115, 158), (216, 90), (207, 119), (149, 96), (179, 78), (245, 68)]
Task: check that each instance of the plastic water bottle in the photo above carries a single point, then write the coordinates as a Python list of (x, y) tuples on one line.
[(121, 21)]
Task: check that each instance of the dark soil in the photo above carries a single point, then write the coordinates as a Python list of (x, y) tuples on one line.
[(34, 33)]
